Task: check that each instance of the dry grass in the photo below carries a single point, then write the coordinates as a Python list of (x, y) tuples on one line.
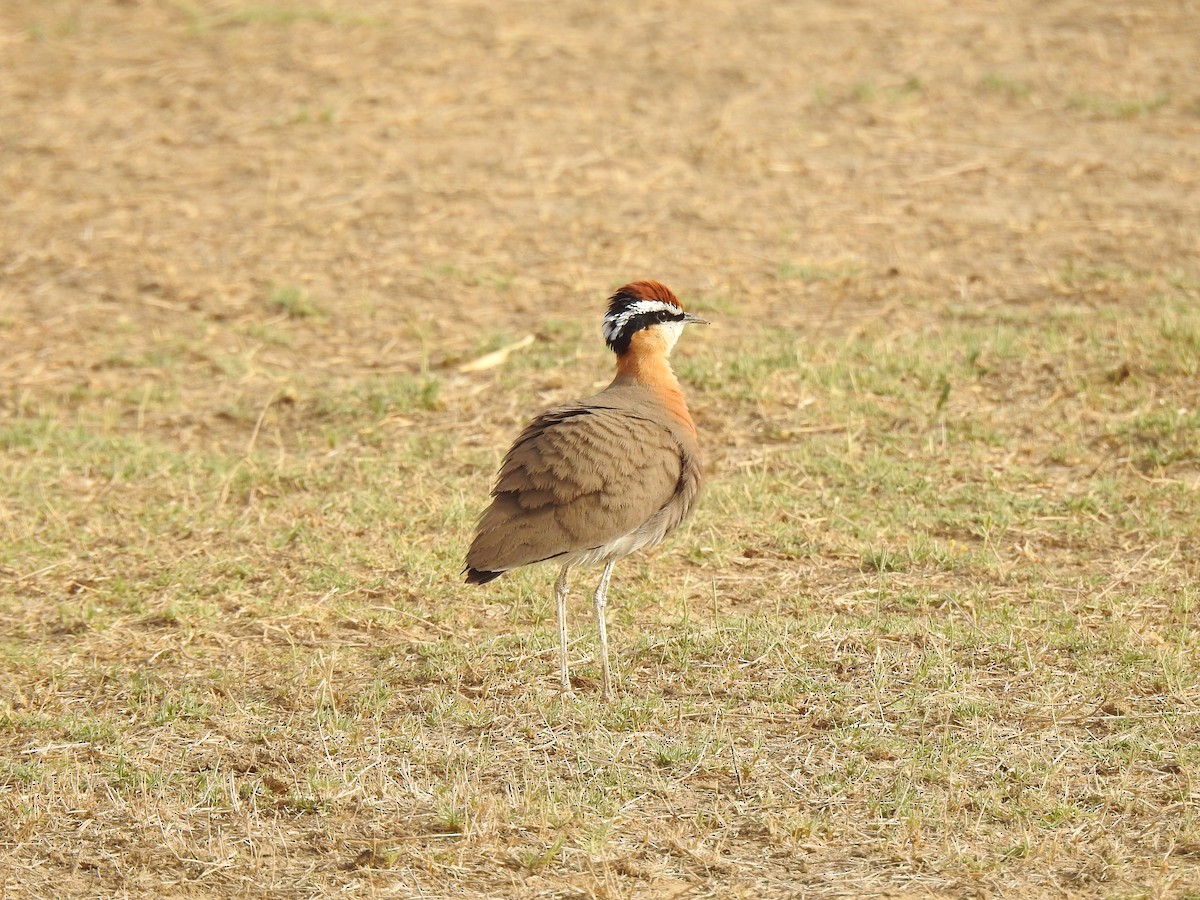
[(934, 628)]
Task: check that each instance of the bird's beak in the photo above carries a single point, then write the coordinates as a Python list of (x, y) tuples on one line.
[(693, 319)]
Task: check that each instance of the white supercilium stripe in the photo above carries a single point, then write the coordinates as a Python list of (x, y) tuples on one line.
[(613, 325)]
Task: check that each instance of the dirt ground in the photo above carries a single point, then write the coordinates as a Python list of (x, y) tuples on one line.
[(209, 208), (166, 163)]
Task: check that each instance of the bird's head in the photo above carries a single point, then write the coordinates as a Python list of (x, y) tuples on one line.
[(645, 304)]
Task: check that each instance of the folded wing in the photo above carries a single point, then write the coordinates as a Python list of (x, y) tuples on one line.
[(579, 478)]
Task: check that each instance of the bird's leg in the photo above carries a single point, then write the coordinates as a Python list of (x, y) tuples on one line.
[(560, 604), (601, 602)]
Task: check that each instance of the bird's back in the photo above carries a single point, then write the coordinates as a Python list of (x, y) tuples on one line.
[(590, 481)]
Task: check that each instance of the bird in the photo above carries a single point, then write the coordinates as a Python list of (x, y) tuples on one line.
[(598, 479)]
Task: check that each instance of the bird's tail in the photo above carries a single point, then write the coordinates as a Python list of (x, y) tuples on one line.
[(479, 576)]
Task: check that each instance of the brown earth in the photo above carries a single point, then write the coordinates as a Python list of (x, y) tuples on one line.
[(164, 164)]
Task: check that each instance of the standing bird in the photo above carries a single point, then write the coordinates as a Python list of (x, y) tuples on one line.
[(596, 480)]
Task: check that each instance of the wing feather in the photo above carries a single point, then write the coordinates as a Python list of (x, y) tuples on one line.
[(575, 479)]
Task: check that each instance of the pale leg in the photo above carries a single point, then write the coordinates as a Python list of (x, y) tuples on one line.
[(560, 605), (601, 602)]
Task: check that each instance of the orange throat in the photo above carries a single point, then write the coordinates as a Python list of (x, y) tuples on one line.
[(647, 363)]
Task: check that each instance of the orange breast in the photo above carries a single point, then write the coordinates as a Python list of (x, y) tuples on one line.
[(646, 361)]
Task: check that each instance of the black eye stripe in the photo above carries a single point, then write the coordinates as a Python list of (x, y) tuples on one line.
[(620, 340), (631, 311)]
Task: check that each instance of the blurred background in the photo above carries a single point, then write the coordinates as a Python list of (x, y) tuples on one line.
[(424, 175)]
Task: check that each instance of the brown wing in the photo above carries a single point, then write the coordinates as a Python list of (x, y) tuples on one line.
[(576, 478)]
